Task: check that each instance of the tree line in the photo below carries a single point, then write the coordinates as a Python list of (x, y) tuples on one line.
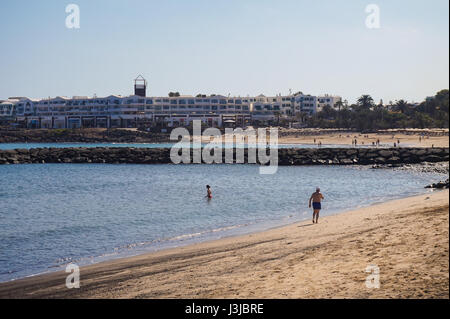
[(366, 115)]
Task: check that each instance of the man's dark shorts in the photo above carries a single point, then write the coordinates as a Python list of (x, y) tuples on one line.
[(317, 206)]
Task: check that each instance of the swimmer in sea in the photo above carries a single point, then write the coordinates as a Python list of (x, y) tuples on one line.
[(209, 193)]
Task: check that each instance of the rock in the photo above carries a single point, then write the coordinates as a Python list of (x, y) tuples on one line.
[(385, 153), (380, 160), (420, 152), (393, 160), (439, 185), (346, 161), (432, 158), (328, 156)]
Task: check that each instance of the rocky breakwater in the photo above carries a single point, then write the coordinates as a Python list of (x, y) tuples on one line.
[(81, 136), (318, 156)]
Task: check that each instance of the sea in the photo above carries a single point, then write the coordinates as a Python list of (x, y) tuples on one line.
[(52, 215)]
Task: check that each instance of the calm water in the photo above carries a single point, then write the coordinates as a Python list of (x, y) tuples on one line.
[(54, 214), (10, 146)]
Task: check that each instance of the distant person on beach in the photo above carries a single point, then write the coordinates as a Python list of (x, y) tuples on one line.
[(316, 199), (208, 192)]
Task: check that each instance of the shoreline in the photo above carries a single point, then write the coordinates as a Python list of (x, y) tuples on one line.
[(233, 231), (120, 278)]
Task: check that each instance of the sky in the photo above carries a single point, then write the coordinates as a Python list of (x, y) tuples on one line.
[(236, 47)]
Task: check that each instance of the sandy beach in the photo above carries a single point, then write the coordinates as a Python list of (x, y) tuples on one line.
[(407, 138), (388, 138), (407, 239)]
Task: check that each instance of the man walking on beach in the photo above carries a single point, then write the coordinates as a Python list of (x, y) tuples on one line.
[(316, 199)]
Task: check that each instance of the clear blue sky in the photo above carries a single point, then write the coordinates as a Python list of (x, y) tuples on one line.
[(239, 47)]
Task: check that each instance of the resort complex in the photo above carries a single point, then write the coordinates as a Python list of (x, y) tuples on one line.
[(173, 110)]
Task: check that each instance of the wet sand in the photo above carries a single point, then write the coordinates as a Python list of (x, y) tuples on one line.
[(407, 239)]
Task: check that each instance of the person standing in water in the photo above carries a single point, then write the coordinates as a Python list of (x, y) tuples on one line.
[(316, 199), (208, 192)]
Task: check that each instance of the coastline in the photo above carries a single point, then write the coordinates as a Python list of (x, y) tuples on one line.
[(300, 260), (410, 137)]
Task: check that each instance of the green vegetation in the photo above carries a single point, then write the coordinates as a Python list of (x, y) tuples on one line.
[(366, 115)]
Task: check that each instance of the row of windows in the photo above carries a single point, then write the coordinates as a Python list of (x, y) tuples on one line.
[(151, 101), (267, 107), (139, 101), (169, 101)]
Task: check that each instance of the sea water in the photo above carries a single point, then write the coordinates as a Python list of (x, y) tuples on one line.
[(55, 214)]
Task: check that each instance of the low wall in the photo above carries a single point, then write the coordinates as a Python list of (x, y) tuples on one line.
[(317, 156)]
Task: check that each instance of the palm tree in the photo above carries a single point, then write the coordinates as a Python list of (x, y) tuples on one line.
[(339, 104), (365, 101), (300, 116), (402, 106), (277, 114)]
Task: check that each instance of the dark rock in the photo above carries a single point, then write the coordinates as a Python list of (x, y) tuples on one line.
[(439, 185), (385, 153), (380, 160)]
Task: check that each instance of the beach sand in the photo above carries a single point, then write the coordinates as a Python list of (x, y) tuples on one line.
[(406, 140), (433, 137), (407, 239)]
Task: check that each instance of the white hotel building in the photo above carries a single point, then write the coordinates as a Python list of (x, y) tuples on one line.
[(131, 111)]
